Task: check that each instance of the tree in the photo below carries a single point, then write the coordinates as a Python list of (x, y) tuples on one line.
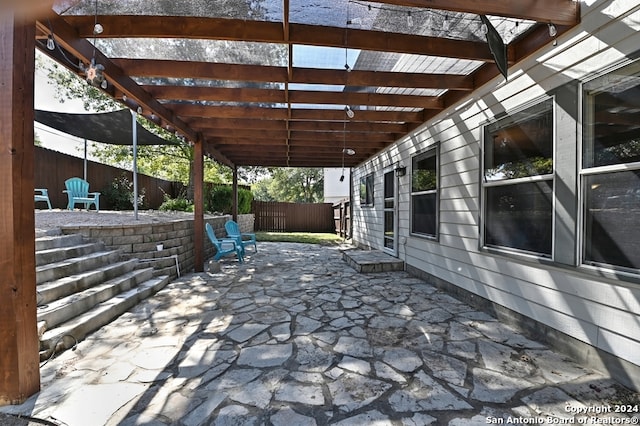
[(295, 185)]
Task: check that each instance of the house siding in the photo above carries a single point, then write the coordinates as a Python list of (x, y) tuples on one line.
[(599, 309)]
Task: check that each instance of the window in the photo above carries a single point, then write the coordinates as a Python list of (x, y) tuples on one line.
[(518, 181), (424, 194), (610, 174), (366, 190)]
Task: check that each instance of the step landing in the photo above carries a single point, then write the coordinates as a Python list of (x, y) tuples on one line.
[(368, 261)]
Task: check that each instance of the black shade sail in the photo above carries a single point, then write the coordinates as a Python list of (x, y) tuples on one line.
[(107, 127)]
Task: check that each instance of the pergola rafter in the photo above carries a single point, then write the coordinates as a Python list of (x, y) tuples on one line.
[(263, 97)]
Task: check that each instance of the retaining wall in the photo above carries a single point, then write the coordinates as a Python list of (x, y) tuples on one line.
[(177, 238)]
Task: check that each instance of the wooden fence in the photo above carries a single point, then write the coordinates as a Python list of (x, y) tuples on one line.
[(53, 168), (342, 218), (293, 217)]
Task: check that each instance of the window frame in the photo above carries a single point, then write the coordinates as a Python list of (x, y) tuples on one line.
[(368, 183), (508, 119), (434, 151), (585, 172)]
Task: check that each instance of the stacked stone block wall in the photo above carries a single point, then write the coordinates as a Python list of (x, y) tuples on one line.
[(176, 237)]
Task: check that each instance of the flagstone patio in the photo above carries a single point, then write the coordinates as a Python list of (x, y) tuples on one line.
[(294, 336)]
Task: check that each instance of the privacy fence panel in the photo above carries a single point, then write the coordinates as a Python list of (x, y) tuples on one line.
[(342, 218), (293, 217), (53, 168)]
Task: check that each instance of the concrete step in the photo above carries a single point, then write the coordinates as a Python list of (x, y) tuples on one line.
[(52, 290), (56, 241), (368, 261), (162, 265), (71, 306), (69, 333), (57, 254), (76, 265)]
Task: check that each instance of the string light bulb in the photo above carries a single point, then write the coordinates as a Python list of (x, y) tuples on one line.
[(553, 31), (446, 25), (349, 111), (409, 20), (51, 45)]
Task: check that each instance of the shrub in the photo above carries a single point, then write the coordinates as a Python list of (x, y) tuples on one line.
[(179, 203), (220, 199), (245, 198), (119, 194)]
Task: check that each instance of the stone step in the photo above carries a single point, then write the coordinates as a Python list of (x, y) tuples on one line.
[(57, 254), (368, 261), (64, 309), (76, 265), (69, 333), (162, 265), (52, 290), (57, 241)]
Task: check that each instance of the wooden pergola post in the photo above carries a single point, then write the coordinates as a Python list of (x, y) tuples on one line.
[(198, 202), (19, 357)]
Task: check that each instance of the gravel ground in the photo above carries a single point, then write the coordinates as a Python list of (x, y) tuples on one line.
[(48, 220)]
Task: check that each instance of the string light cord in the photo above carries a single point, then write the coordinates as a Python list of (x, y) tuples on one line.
[(469, 21)]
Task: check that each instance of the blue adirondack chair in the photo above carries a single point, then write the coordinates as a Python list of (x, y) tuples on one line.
[(224, 246), (244, 238), (41, 194), (78, 193)]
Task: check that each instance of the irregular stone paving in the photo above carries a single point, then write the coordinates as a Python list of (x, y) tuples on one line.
[(295, 337)]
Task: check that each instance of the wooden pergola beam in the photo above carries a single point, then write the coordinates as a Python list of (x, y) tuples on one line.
[(249, 95), (191, 111), (271, 74), (202, 125), (136, 26), (561, 12)]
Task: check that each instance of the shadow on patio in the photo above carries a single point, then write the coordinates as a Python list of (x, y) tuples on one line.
[(296, 337)]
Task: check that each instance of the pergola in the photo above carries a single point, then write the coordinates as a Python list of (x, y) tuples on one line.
[(284, 83)]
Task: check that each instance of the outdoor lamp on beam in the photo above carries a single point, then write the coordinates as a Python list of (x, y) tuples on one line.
[(401, 170)]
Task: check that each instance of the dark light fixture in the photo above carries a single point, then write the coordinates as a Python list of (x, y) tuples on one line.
[(401, 170)]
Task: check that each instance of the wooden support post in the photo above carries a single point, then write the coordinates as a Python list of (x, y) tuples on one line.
[(198, 202), (19, 358), (234, 204)]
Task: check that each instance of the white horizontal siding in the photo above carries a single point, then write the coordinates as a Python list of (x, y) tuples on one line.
[(603, 312)]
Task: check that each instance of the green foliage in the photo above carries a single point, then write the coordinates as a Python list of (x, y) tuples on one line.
[(517, 169), (424, 180), (120, 194), (219, 199), (294, 185), (301, 237), (245, 198), (179, 203)]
